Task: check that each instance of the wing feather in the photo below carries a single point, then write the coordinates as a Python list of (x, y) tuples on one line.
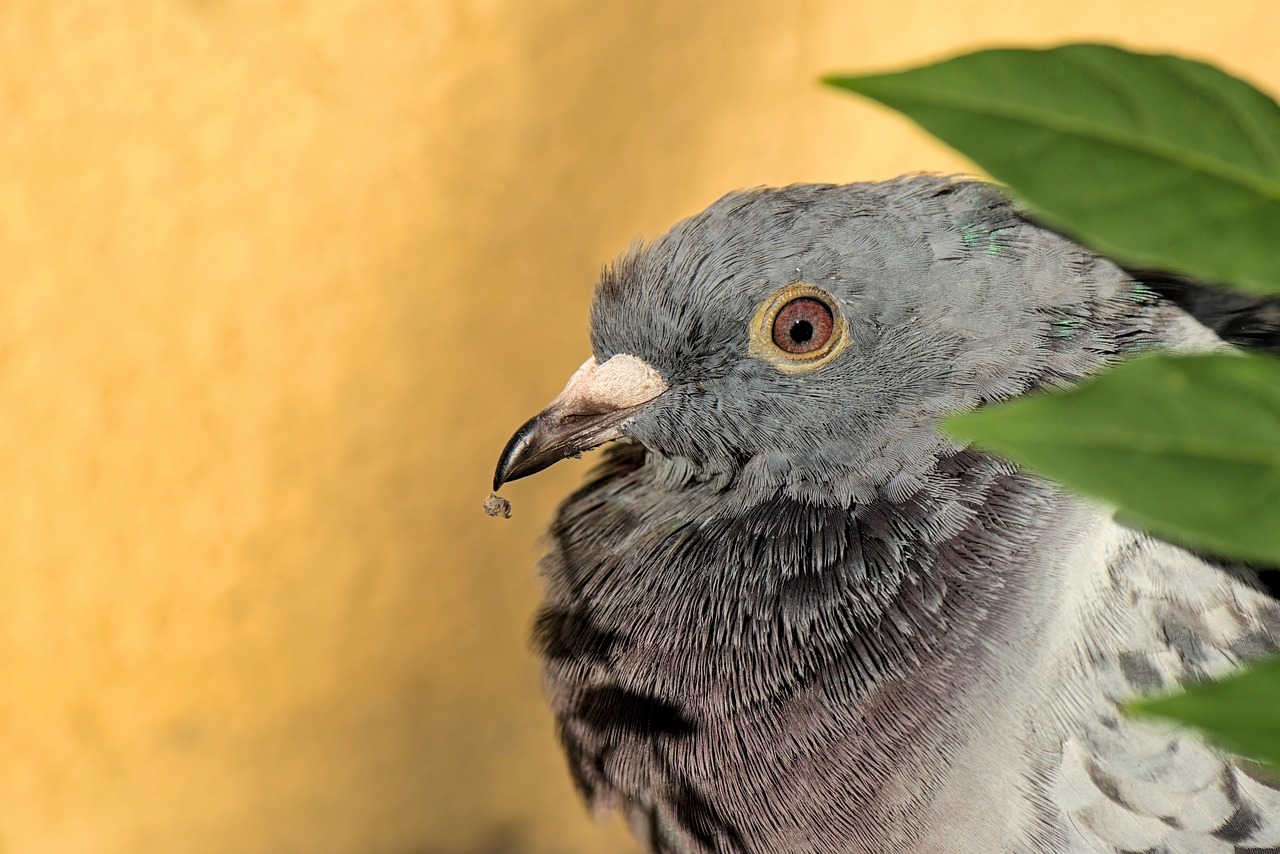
[(1158, 617)]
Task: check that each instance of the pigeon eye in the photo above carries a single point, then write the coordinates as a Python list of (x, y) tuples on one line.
[(802, 326), (798, 328)]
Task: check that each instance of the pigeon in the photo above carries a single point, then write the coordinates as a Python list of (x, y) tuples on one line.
[(787, 613)]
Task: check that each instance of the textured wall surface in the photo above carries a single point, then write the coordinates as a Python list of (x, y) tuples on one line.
[(278, 280)]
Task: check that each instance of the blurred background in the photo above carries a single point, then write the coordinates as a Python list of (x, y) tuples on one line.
[(277, 281)]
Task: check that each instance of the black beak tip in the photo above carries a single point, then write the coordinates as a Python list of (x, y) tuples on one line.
[(509, 464), (551, 436)]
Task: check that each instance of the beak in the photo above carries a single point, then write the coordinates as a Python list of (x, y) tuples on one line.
[(589, 412)]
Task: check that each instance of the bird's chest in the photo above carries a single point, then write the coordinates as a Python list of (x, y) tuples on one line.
[(821, 766), (803, 688)]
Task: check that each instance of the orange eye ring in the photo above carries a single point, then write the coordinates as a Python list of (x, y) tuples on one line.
[(798, 328)]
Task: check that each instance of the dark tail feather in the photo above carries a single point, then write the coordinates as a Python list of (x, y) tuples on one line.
[(1245, 320)]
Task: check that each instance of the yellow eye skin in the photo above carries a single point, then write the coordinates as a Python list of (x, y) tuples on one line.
[(804, 352)]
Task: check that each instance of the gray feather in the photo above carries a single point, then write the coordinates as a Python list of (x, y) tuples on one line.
[(792, 617)]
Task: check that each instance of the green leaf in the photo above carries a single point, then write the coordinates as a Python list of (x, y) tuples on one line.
[(1186, 446), (1241, 712), (1156, 161)]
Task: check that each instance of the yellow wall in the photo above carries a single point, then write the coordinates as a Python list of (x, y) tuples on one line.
[(278, 281)]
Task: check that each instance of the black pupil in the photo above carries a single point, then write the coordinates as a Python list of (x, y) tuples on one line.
[(801, 331)]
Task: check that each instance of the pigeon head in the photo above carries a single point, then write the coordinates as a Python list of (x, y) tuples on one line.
[(807, 340)]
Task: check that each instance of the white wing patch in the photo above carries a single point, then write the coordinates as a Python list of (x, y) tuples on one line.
[(1156, 617)]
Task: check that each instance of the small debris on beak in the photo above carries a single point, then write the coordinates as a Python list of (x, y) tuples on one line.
[(496, 505)]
